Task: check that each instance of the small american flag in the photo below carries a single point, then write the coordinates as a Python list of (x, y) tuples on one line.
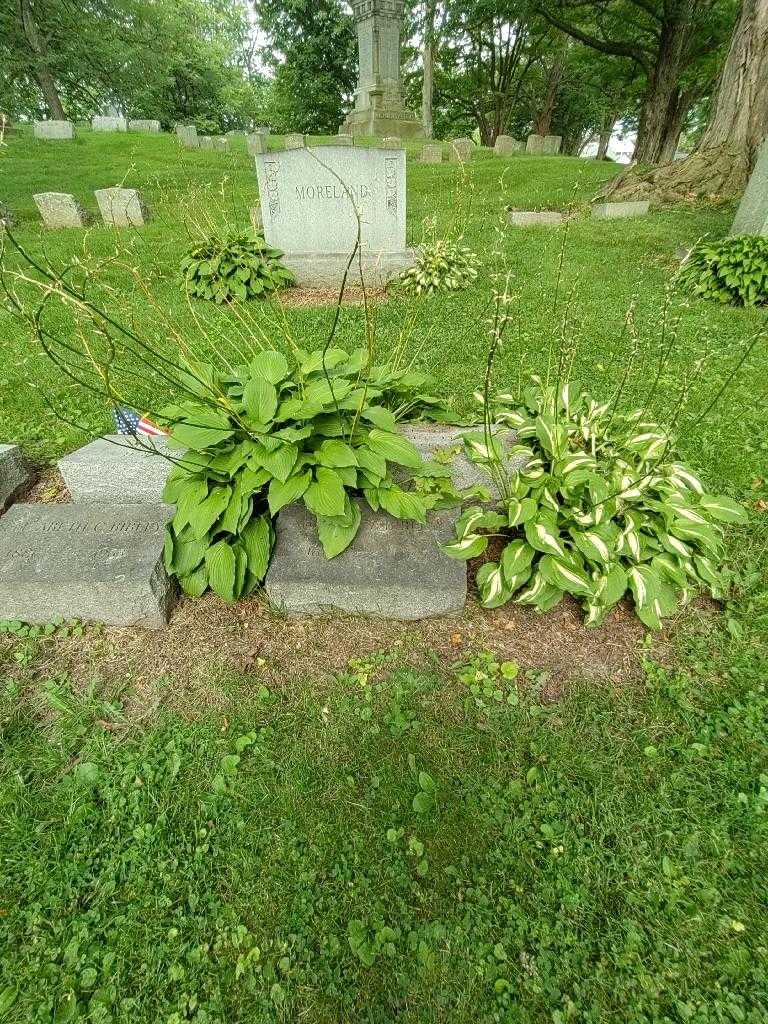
[(128, 421)]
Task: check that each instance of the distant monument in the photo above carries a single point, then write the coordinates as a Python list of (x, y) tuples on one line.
[(379, 108)]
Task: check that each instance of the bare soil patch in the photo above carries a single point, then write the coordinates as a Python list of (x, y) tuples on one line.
[(299, 298)]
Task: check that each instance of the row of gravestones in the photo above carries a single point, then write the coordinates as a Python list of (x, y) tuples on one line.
[(119, 207), (461, 150), (99, 557), (66, 129)]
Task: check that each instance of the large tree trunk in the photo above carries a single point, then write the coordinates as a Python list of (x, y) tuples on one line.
[(41, 68), (543, 124), (428, 58), (725, 156)]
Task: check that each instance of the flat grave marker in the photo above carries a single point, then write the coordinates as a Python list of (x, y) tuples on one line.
[(118, 469), (532, 218), (53, 130), (620, 211)]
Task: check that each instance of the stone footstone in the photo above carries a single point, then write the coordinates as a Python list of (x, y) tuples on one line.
[(460, 150), (100, 564), (187, 136), (432, 153), (618, 211), (109, 124), (529, 218), (54, 130), (122, 207), (505, 145), (61, 210), (118, 469), (256, 143), (143, 125), (14, 473), (444, 442), (393, 569), (752, 215)]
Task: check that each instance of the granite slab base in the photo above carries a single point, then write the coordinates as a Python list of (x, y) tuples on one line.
[(118, 469), (100, 564), (14, 473), (393, 570), (326, 270), (445, 442)]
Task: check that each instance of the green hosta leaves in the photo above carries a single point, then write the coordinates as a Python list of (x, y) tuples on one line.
[(220, 562), (394, 448), (336, 533), (565, 576), (492, 585), (257, 539), (521, 511), (272, 366), (469, 546), (260, 399), (203, 428), (516, 561), (233, 267), (543, 536), (285, 493), (336, 453), (325, 496), (723, 509), (403, 504)]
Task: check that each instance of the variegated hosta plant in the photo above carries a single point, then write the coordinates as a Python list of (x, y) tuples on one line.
[(441, 266), (602, 507)]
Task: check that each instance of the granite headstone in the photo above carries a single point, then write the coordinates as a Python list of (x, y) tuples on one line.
[(122, 207), (54, 130), (460, 150), (506, 145), (187, 136), (144, 125), (109, 124), (119, 469), (432, 153), (14, 473), (61, 210)]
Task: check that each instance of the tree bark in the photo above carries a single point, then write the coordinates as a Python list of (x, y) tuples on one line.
[(428, 59), (725, 156), (543, 124), (41, 68)]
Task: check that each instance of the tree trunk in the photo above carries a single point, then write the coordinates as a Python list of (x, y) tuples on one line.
[(428, 58), (543, 124), (725, 156), (41, 70)]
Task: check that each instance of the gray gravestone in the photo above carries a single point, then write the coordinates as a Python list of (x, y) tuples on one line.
[(205, 141), (444, 444), (311, 199), (98, 564), (121, 207), (551, 145), (505, 145), (432, 153), (6, 217), (187, 136), (294, 141), (379, 107), (118, 469), (460, 150), (256, 143), (618, 211), (257, 221), (342, 139), (393, 569), (221, 143), (528, 218), (61, 210), (144, 126), (752, 215), (392, 142), (13, 472), (54, 130), (109, 124)]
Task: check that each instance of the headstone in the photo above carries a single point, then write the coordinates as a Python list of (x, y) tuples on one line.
[(294, 141), (544, 145), (119, 470), (505, 145), (311, 199), (342, 139), (122, 207), (144, 126), (257, 221), (529, 218), (616, 211), (205, 141), (444, 444), (379, 108), (221, 143), (752, 215), (460, 150), (97, 564), (256, 143), (54, 130), (432, 153), (14, 473), (61, 210), (187, 136), (394, 568), (109, 124)]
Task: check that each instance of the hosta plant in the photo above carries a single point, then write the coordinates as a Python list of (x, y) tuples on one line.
[(233, 267), (602, 507), (321, 431), (731, 271), (441, 266)]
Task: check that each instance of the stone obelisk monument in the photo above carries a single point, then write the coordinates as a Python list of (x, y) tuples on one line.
[(379, 107)]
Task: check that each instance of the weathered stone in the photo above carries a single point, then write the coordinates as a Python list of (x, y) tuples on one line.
[(544, 145), (14, 473), (379, 107), (257, 221), (143, 125), (617, 211), (187, 136), (119, 470), (342, 139), (393, 569), (432, 153), (6, 217), (460, 150), (122, 207), (527, 218), (294, 141), (505, 145), (205, 141), (54, 130), (220, 143), (752, 215), (444, 444), (109, 124), (311, 199), (392, 142), (61, 210), (256, 143), (98, 564)]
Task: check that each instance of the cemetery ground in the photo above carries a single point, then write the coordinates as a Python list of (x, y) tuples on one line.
[(496, 817)]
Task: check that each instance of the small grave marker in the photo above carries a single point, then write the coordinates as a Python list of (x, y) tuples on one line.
[(505, 145), (109, 124), (294, 141), (432, 153), (220, 143), (122, 207), (617, 211), (529, 218), (143, 125), (187, 136), (54, 130), (460, 150), (14, 473), (118, 469), (256, 143), (61, 210)]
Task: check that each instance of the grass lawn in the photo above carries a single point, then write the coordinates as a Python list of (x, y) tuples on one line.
[(250, 819)]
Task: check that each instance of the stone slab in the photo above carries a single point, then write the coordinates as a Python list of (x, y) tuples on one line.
[(14, 473), (752, 215), (437, 439), (98, 564), (544, 145), (394, 569), (294, 141), (118, 469), (187, 136), (506, 145), (61, 210), (205, 141), (256, 143), (220, 143), (144, 125), (432, 153), (326, 270), (54, 130), (529, 218), (460, 150), (619, 211), (109, 124), (122, 207)]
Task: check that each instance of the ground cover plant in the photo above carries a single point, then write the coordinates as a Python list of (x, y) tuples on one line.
[(233, 267), (440, 266), (731, 271)]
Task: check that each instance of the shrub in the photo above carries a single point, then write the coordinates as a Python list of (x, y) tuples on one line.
[(267, 434), (441, 266), (732, 270), (233, 267), (602, 506)]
